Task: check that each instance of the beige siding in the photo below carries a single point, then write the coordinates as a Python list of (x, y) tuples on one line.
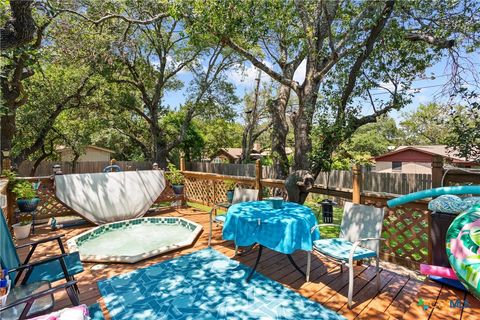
[(407, 167), (91, 154), (417, 167), (382, 166)]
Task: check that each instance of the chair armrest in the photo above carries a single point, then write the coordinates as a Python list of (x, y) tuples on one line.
[(369, 239), (221, 205), (40, 294), (323, 225), (41, 241), (39, 262)]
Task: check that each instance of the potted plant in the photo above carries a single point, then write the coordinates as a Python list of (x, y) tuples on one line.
[(230, 185), (21, 230), (176, 178), (25, 192), (26, 196)]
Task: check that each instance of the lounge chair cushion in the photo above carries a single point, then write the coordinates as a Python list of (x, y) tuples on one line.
[(52, 271), (39, 306), (340, 249), (80, 312)]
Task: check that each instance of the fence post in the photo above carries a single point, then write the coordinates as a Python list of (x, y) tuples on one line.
[(10, 207), (258, 178), (182, 164), (356, 183), (437, 171)]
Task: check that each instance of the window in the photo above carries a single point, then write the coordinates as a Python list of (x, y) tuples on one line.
[(396, 166)]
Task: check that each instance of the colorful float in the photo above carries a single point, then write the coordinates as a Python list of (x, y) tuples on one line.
[(462, 237)]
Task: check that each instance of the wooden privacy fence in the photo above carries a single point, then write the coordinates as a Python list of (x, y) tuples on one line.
[(229, 169), (392, 183), (45, 167)]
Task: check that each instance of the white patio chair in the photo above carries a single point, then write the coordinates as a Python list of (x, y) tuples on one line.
[(360, 235), (239, 195)]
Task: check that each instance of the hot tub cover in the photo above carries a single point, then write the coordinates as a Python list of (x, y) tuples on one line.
[(109, 197)]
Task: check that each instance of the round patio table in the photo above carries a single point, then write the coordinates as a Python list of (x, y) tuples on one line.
[(284, 230)]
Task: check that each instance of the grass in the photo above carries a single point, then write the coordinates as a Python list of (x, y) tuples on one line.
[(327, 232)]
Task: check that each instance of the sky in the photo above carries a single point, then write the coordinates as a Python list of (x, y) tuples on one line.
[(424, 90)]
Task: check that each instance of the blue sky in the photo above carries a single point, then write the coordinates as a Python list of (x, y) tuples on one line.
[(427, 90)]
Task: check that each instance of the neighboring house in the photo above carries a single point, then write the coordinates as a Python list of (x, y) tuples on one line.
[(417, 159), (232, 155), (92, 153)]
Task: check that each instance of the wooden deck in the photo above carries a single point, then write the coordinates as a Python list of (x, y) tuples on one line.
[(398, 298)]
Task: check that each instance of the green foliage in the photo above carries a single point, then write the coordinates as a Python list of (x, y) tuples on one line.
[(20, 187), (174, 175), (464, 124), (230, 184), (426, 125), (25, 219)]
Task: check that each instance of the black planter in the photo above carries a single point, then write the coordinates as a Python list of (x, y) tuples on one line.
[(27, 205), (178, 189)]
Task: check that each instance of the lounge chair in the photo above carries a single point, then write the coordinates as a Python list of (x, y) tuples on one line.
[(34, 299), (49, 269), (239, 195), (360, 235)]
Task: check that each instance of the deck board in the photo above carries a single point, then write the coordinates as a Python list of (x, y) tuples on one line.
[(397, 299)]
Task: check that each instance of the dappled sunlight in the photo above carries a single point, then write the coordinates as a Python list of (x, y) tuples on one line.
[(204, 284)]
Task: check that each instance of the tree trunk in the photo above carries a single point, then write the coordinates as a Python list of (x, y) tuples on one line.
[(277, 109), (8, 130), (37, 163), (20, 28), (302, 124), (252, 121), (74, 162)]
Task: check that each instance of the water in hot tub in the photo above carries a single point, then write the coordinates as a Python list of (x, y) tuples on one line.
[(134, 240)]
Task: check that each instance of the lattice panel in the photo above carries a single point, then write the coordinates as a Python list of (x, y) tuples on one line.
[(208, 191), (199, 190), (406, 234), (168, 194), (49, 206)]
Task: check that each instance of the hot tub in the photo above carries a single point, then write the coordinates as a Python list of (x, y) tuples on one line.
[(130, 241)]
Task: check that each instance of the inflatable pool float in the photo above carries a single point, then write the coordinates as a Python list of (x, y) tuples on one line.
[(463, 249)]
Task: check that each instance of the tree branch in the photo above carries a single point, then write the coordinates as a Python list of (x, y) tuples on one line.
[(437, 42), (260, 65)]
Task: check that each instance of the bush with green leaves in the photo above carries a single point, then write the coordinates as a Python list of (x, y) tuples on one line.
[(24, 190), (21, 188), (174, 175)]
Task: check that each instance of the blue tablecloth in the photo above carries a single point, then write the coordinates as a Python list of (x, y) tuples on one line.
[(284, 230)]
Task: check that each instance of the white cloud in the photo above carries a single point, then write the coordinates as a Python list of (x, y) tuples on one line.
[(246, 75)]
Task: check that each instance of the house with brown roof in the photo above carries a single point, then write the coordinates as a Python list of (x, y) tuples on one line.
[(418, 159), (232, 155)]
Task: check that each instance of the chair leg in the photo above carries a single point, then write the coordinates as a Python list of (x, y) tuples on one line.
[(210, 232), (236, 251), (309, 262), (350, 284), (72, 294), (378, 272)]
